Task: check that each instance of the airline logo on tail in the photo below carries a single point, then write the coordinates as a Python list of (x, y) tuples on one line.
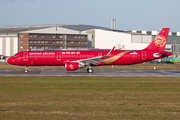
[(160, 41)]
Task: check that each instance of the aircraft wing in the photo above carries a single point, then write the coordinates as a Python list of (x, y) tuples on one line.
[(95, 60)]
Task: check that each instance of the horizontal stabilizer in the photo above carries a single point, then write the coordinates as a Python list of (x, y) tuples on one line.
[(160, 54)]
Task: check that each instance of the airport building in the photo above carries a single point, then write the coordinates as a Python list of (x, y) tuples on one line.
[(14, 39), (33, 41)]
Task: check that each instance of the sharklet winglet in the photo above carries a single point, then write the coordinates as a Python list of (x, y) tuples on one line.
[(109, 53)]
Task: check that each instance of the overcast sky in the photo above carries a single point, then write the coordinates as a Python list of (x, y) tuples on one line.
[(129, 14)]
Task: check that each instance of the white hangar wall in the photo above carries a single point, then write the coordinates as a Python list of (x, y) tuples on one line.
[(107, 39), (8, 44)]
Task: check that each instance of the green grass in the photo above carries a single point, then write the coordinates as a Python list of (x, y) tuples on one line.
[(89, 98)]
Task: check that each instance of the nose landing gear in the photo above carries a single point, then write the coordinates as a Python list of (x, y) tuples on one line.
[(26, 69)]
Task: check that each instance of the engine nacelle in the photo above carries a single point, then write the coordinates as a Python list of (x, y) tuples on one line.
[(70, 66)]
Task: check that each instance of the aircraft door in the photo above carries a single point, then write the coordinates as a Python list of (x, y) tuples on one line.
[(58, 55), (144, 55), (25, 56)]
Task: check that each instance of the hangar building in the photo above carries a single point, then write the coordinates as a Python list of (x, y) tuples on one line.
[(14, 39)]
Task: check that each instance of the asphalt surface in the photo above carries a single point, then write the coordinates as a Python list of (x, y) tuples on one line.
[(121, 73)]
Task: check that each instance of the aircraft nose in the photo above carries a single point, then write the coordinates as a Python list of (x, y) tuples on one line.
[(10, 61)]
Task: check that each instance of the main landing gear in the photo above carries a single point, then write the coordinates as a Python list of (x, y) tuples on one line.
[(26, 69), (89, 70)]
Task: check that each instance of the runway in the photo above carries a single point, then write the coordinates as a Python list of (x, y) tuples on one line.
[(121, 73)]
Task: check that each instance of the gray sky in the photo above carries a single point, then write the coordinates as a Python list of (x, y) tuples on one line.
[(129, 14)]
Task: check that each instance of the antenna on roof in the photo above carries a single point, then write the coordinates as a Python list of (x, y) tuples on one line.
[(113, 24)]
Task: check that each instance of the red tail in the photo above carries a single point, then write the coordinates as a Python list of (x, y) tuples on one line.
[(159, 42)]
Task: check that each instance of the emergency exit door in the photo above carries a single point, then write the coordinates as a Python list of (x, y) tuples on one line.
[(58, 56), (144, 55), (25, 56)]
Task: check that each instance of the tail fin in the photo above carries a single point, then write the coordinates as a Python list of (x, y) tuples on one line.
[(159, 42)]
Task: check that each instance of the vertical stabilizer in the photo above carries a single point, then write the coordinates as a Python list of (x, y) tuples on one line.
[(159, 42)]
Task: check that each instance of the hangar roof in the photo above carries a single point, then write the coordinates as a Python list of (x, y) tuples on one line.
[(17, 30), (79, 27), (21, 28), (82, 27)]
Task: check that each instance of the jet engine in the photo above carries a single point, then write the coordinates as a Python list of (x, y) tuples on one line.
[(70, 66)]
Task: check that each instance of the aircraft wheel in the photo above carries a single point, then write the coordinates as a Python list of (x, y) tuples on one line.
[(89, 70), (25, 70)]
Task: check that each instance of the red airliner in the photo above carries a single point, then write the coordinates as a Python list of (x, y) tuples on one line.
[(75, 59)]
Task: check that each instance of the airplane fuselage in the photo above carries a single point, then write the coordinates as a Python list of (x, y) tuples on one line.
[(59, 58)]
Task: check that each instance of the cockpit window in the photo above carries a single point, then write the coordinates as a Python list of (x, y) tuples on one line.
[(16, 56)]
